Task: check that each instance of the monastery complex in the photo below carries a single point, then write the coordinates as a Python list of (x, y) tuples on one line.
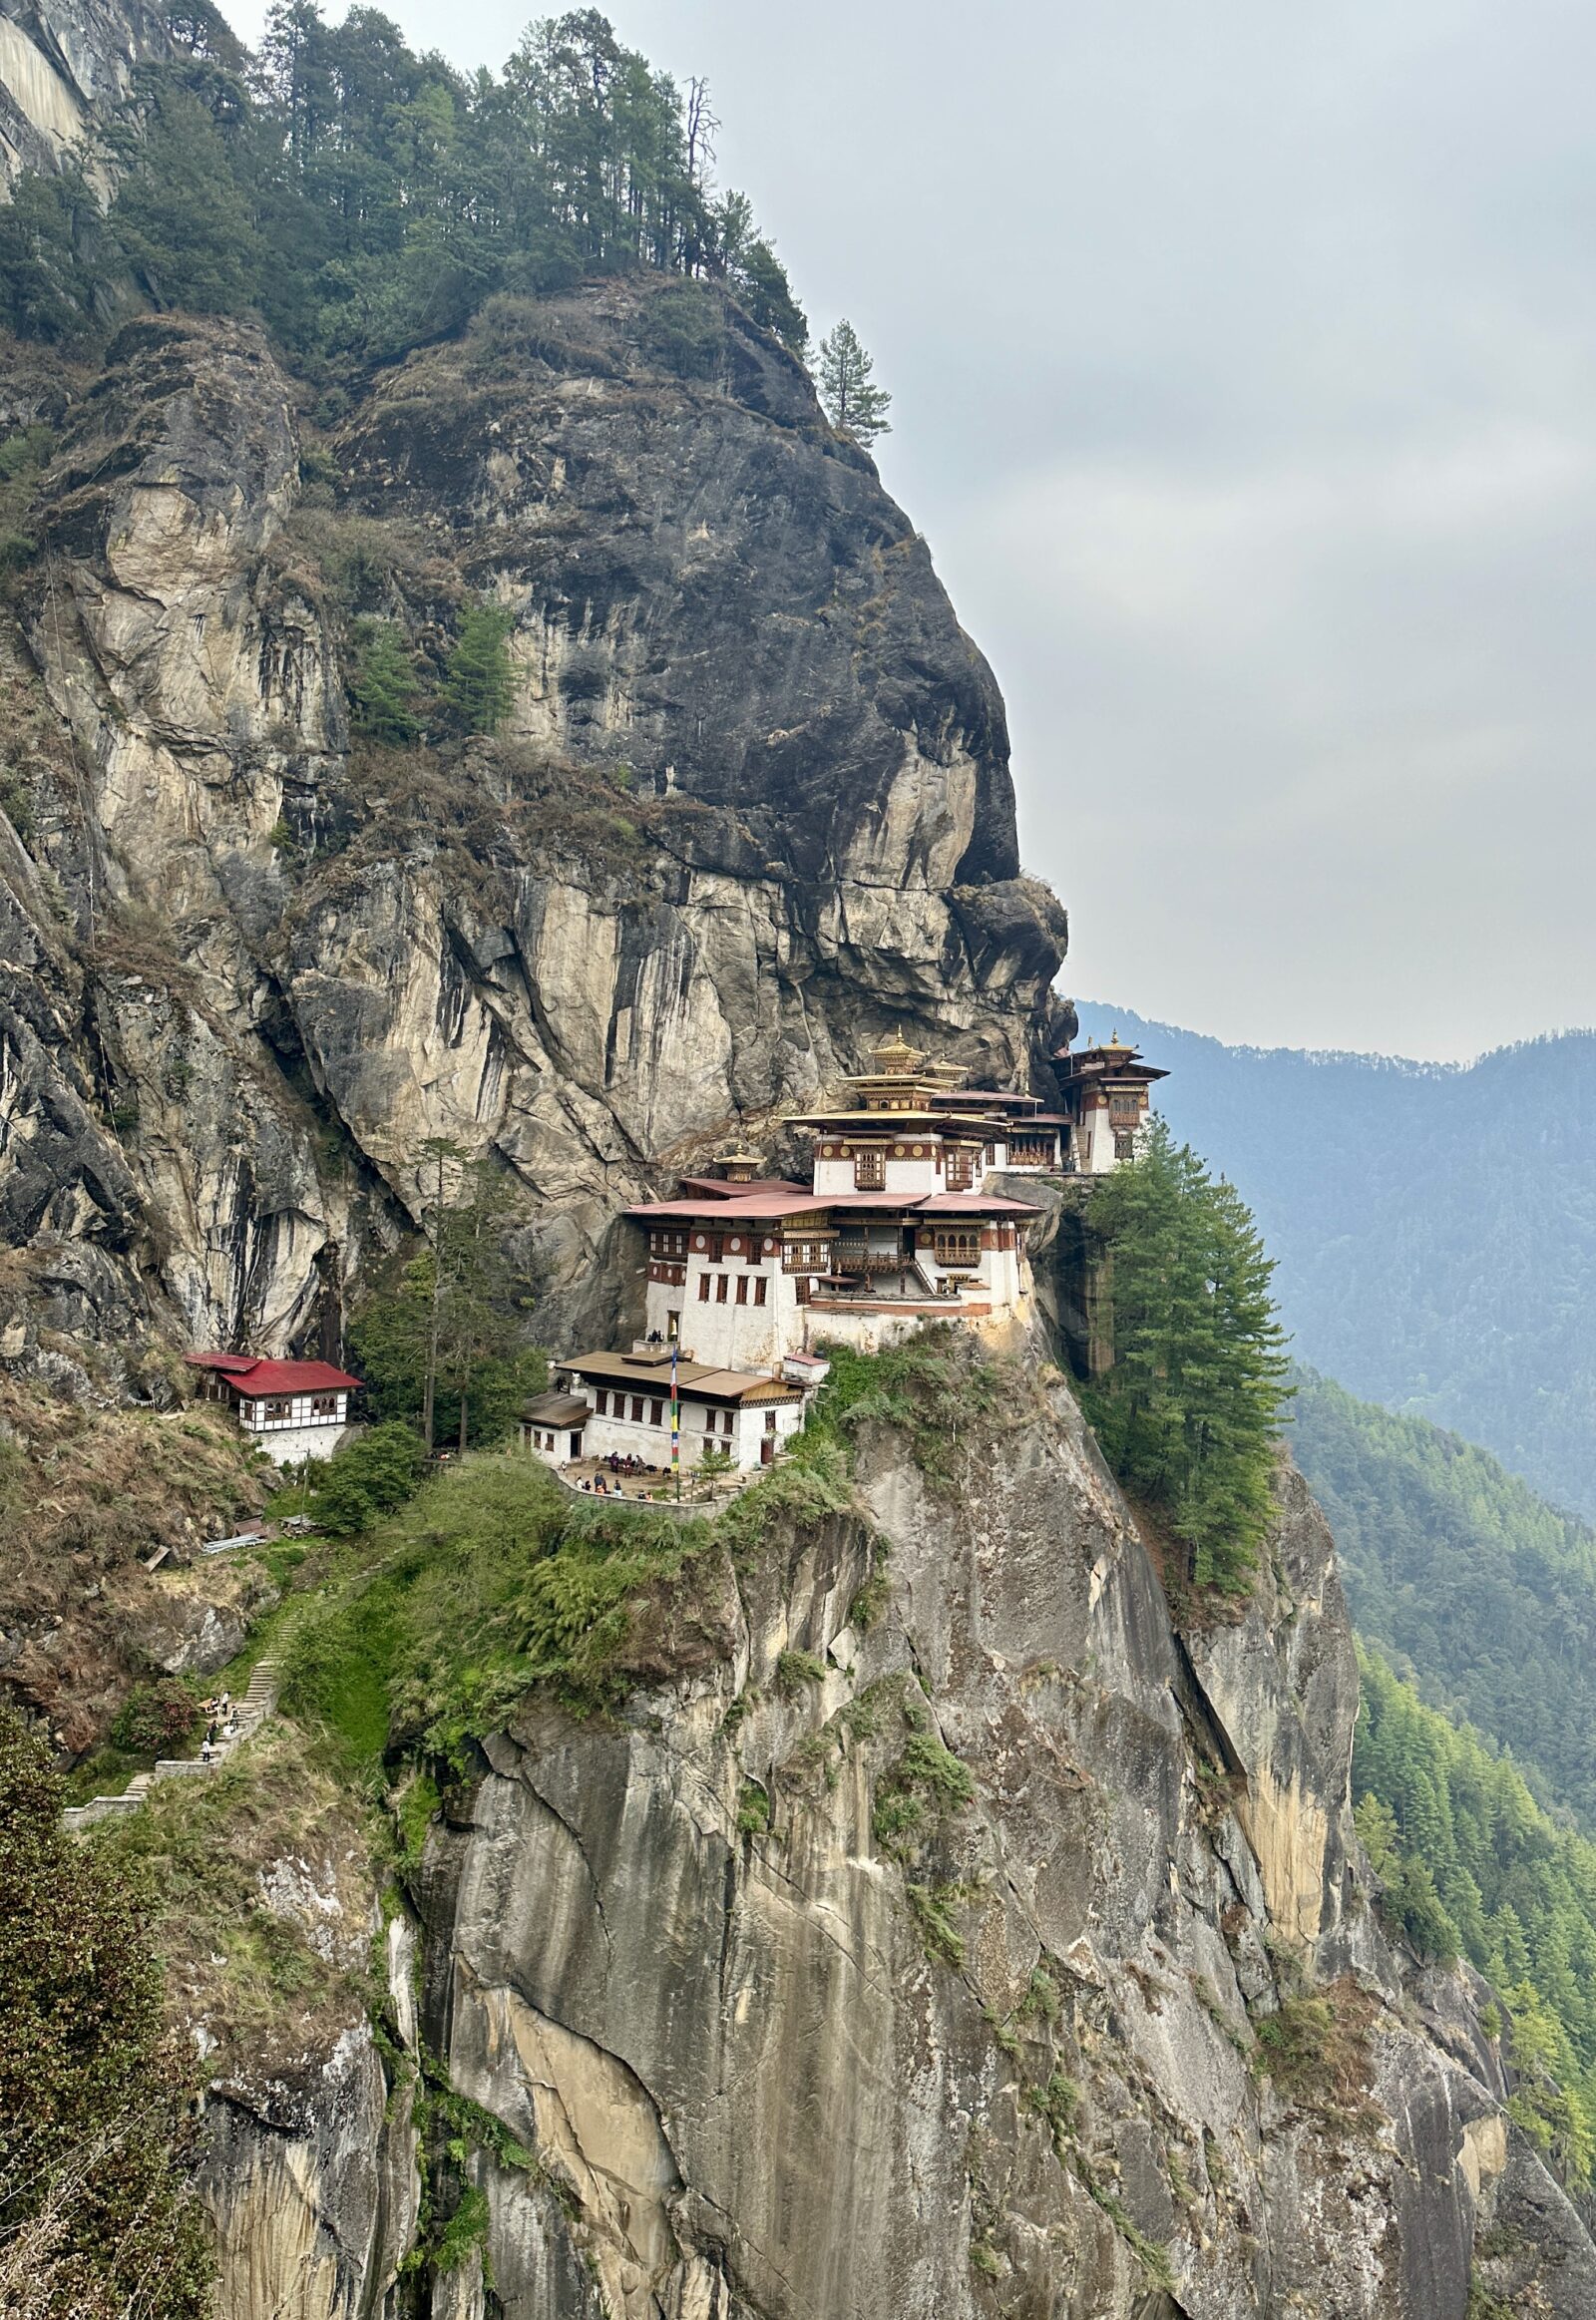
[(750, 1278)]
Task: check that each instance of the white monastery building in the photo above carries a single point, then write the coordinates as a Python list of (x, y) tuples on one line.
[(1106, 1095), (748, 1275), (294, 1409)]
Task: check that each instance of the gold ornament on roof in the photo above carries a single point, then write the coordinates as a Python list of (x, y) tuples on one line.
[(739, 1166), (895, 1057)]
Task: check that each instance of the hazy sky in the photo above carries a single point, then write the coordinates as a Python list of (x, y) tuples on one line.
[(1244, 360)]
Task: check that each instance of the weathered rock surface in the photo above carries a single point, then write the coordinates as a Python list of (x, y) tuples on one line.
[(752, 804), (66, 65), (1011, 2065), (1022, 1960)]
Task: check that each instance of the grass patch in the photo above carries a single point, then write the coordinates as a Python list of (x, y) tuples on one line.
[(1057, 2102), (249, 1973), (796, 1669), (1315, 2051), (870, 1603), (933, 1907), (925, 1786), (1041, 2002), (930, 1386)]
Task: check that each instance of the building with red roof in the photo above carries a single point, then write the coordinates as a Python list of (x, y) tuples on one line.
[(895, 1226), (294, 1409)]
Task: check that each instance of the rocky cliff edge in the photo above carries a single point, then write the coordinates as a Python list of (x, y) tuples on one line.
[(941, 1930)]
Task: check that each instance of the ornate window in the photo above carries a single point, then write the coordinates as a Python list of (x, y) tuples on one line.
[(869, 1168), (960, 1248)]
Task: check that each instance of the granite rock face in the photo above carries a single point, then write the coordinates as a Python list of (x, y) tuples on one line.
[(65, 67), (1006, 2058), (750, 805)]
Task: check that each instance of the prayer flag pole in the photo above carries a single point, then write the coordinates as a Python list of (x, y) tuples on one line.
[(675, 1417)]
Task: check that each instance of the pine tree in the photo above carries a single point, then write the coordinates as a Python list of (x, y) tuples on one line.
[(382, 685), (448, 1348), (479, 683), (1189, 1412), (181, 220), (855, 407)]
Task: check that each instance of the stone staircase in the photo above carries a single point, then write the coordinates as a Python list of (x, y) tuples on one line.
[(252, 1710)]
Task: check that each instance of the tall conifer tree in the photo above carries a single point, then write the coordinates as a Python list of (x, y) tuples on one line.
[(854, 406)]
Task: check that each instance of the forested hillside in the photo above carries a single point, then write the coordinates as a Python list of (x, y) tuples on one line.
[(1465, 1579), (1435, 1228), (1471, 1866), (365, 199)]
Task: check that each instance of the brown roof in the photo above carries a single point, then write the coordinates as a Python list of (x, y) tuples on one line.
[(723, 1188), (556, 1409), (754, 1207), (694, 1379)]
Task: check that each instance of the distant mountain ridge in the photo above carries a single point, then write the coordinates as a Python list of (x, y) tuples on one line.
[(1434, 1224)]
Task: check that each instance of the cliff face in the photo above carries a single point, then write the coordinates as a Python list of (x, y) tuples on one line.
[(790, 2012), (65, 68), (751, 804)]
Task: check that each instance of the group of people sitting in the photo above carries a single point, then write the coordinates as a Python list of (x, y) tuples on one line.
[(222, 1725), (609, 1485)]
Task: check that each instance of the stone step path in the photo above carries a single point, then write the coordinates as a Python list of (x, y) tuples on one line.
[(252, 1710)]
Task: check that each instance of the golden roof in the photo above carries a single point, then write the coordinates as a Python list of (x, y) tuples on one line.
[(895, 1057)]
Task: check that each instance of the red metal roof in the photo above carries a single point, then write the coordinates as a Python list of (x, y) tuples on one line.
[(767, 1207), (755, 1207), (246, 1373), (982, 1204), (721, 1189)]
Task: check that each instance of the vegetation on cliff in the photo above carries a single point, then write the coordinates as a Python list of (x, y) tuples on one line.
[(1473, 1867), (1189, 1413), (1471, 1585), (94, 2219), (365, 199), (444, 1351), (88, 1498)]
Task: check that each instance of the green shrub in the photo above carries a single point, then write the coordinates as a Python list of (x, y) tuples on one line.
[(685, 331), (925, 1786), (367, 1478), (796, 1669), (94, 2203), (869, 1602), (1057, 2102), (940, 1936), (157, 1718), (753, 1809), (514, 1587)]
